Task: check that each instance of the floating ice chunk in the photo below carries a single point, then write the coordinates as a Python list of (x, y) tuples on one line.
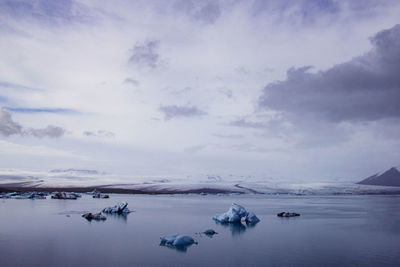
[(169, 239), (288, 214), (101, 196), (120, 208), (26, 195), (209, 232), (35, 195), (97, 216), (8, 195), (76, 194), (177, 240), (251, 218), (94, 192), (63, 195), (233, 215)]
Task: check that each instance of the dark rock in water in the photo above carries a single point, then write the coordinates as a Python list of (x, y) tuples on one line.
[(63, 195), (101, 196), (288, 214), (389, 178), (210, 232), (97, 216)]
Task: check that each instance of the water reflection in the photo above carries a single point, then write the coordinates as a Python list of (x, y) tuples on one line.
[(122, 217), (235, 228), (238, 228), (182, 249)]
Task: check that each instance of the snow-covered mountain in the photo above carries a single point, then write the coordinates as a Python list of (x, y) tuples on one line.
[(390, 177), (74, 171)]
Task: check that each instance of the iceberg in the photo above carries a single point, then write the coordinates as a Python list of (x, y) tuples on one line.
[(96, 216), (288, 214), (120, 208), (64, 195), (235, 215), (76, 194), (177, 240), (251, 218), (26, 195), (94, 192), (101, 196), (35, 195)]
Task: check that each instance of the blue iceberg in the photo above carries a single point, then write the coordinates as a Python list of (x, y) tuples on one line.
[(120, 208), (177, 241), (235, 214)]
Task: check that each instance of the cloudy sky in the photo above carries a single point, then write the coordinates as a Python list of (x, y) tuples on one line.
[(286, 89)]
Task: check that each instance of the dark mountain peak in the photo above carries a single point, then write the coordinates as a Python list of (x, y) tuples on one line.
[(390, 177), (393, 170)]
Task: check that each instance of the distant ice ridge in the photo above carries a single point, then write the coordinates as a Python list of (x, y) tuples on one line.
[(202, 184), (71, 170)]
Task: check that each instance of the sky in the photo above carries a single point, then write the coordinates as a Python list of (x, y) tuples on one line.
[(282, 89)]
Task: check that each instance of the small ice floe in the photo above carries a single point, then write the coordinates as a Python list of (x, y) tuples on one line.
[(101, 196), (120, 208), (177, 241), (235, 214), (8, 195), (288, 214), (26, 195), (251, 218), (64, 195), (76, 194), (210, 232), (94, 192), (96, 216)]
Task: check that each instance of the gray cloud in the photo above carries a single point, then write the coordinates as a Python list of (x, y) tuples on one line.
[(47, 11), (145, 54), (9, 127), (229, 136), (181, 91), (99, 133), (226, 92), (244, 123), (367, 88), (49, 131), (132, 82), (206, 12), (174, 111), (305, 12), (195, 149)]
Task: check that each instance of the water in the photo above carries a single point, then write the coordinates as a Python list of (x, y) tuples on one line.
[(331, 231)]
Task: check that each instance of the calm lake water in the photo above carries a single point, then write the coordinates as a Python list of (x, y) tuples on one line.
[(331, 231)]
